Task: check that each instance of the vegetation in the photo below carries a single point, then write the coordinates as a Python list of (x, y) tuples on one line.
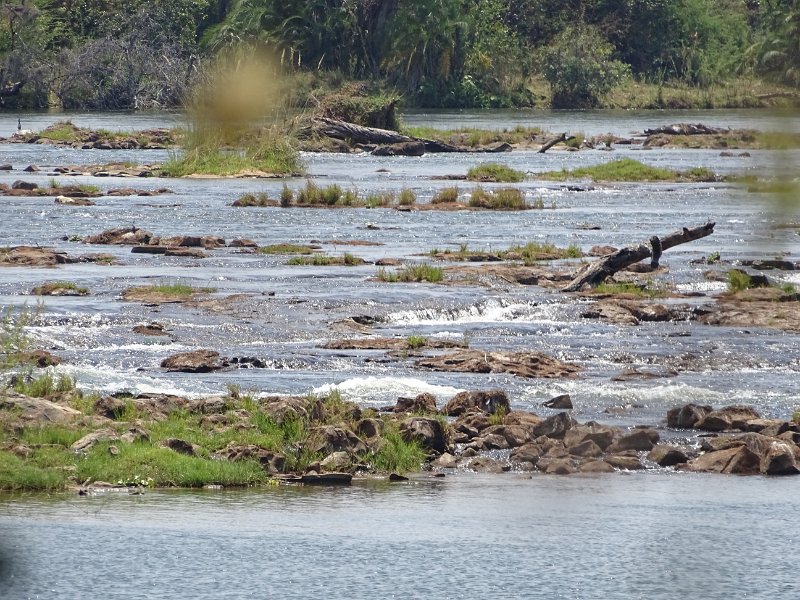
[(448, 53), (286, 249), (415, 342), (53, 288), (476, 137), (500, 199), (738, 281), (494, 172), (533, 252), (323, 260), (412, 273), (445, 196), (637, 290), (627, 169), (165, 292)]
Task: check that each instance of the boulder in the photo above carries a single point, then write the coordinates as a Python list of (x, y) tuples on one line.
[(729, 417), (596, 466), (135, 434), (31, 256), (326, 479), (37, 410), (560, 466), (484, 464), (90, 439), (445, 461), (180, 446), (779, 460), (489, 401), (624, 462), (328, 439), (429, 433), (123, 236), (423, 403), (555, 426), (667, 456), (492, 441), (522, 364), (197, 361), (413, 148), (687, 416), (243, 243), (110, 407), (562, 402), (586, 449), (336, 461), (24, 185), (281, 408), (67, 201), (369, 429), (640, 440), (210, 406), (738, 461), (602, 435)]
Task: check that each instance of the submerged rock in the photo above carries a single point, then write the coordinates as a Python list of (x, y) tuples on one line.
[(197, 361), (522, 364)]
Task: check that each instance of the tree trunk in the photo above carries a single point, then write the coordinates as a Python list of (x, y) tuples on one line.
[(358, 134), (606, 266), (553, 142)]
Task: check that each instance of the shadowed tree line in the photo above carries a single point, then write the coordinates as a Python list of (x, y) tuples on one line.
[(109, 54)]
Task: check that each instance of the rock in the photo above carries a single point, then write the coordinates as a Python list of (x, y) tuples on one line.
[(243, 243), (484, 464), (555, 426), (24, 185), (768, 427), (180, 446), (415, 148), (490, 402), (729, 417), (530, 453), (185, 252), (210, 406), (429, 433), (335, 461), (445, 461), (602, 250), (328, 439), (667, 456), (641, 440), (272, 462), (31, 256), (281, 408), (560, 466), (624, 462), (602, 435), (586, 449), (90, 439), (562, 402), (522, 364), (596, 466), (738, 461), (110, 407), (492, 441), (135, 434), (395, 478), (779, 460), (6, 167), (423, 403), (153, 329), (197, 361), (67, 201), (39, 358), (687, 416), (123, 236), (369, 428), (37, 410)]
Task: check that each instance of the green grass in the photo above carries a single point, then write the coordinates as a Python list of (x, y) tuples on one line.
[(395, 454), (445, 195), (406, 197), (415, 342), (44, 385), (61, 131), (412, 273), (175, 290), (13, 339), (17, 474), (495, 172), (627, 169), (260, 199), (286, 249), (533, 252), (738, 281), (324, 260), (500, 199)]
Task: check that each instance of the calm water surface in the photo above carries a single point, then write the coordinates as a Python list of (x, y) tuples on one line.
[(623, 536)]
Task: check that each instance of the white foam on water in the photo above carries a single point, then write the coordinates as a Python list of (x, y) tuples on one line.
[(491, 311), (383, 388), (702, 286), (109, 381)]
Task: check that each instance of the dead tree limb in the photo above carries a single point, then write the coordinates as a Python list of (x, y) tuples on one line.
[(358, 134), (606, 266), (549, 144), (686, 129)]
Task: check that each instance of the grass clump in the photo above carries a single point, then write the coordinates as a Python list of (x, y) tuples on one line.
[(738, 281), (286, 249), (396, 454), (445, 195), (495, 172), (165, 292), (533, 252), (59, 288), (14, 342), (415, 342), (323, 260), (406, 197), (259, 199), (627, 169), (412, 273), (501, 199), (17, 474), (43, 385)]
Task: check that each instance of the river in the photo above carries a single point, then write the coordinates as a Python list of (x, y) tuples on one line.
[(654, 535)]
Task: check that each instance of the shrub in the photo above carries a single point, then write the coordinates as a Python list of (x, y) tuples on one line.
[(407, 197), (495, 172), (738, 281), (445, 195)]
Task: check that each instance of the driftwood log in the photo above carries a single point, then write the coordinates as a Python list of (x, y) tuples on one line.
[(596, 272), (686, 129), (342, 130), (550, 143)]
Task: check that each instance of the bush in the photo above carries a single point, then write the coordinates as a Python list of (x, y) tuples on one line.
[(494, 172), (446, 195), (579, 68)]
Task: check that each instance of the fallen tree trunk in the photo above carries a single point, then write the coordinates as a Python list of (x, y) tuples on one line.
[(606, 266), (553, 142), (342, 130)]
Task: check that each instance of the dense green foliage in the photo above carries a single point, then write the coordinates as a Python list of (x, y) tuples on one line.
[(105, 54)]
